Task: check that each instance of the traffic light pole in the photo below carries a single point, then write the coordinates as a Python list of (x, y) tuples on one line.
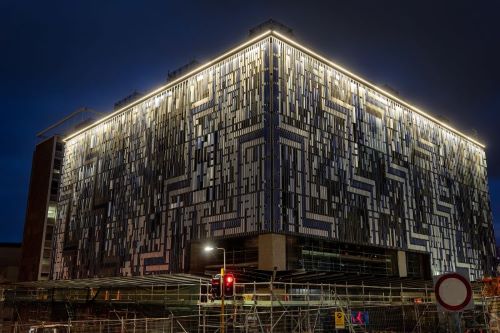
[(222, 287), (222, 305)]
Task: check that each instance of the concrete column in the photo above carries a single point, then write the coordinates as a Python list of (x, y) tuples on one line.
[(272, 252), (402, 268)]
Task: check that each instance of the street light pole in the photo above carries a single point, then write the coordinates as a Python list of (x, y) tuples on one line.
[(223, 272), (210, 248), (224, 253)]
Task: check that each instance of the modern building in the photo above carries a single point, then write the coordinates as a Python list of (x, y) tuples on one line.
[(41, 209), (43, 196), (285, 159)]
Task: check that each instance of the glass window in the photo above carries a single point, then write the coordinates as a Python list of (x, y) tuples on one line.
[(52, 212)]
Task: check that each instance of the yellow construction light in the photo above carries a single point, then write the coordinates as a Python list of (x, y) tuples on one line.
[(298, 46)]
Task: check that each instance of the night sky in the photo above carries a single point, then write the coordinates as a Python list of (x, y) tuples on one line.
[(58, 56)]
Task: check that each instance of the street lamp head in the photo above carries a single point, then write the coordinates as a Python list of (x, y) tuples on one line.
[(208, 248)]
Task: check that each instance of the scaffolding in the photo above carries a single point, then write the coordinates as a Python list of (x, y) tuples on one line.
[(188, 306)]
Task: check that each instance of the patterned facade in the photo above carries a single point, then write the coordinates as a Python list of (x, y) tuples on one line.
[(269, 139)]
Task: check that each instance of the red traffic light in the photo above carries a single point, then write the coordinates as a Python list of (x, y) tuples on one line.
[(228, 280)]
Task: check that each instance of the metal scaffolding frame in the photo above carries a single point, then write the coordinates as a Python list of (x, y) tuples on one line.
[(185, 304)]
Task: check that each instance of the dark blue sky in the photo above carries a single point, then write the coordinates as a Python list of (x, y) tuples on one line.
[(57, 56)]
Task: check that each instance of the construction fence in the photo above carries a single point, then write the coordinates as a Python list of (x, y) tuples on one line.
[(254, 307)]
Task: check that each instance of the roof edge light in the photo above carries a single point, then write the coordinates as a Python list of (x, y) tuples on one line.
[(298, 46), (172, 83), (371, 85)]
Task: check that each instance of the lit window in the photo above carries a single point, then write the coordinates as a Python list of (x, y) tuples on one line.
[(52, 212)]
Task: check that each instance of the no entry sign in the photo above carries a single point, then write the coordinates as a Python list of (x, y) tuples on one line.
[(453, 292)]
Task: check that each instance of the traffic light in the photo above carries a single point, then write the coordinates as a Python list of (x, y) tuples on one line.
[(229, 281), (215, 286), (227, 286)]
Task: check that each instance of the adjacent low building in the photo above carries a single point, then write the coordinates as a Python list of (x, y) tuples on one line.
[(10, 256), (283, 158)]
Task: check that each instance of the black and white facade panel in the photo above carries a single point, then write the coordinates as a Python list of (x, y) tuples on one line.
[(269, 138)]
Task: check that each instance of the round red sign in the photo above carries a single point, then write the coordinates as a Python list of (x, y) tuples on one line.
[(453, 292)]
